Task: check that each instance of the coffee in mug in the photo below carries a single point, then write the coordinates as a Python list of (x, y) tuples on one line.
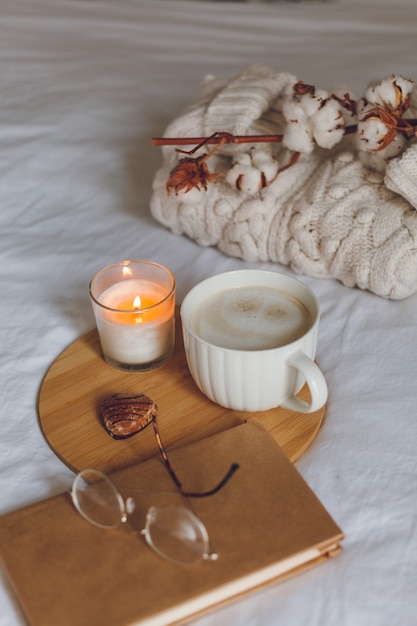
[(250, 341), (251, 318)]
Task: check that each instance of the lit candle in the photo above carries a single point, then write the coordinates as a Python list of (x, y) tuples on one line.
[(134, 306)]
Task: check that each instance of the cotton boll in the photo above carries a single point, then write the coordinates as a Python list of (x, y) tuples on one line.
[(303, 105), (252, 172), (293, 111), (249, 180), (243, 177), (266, 163), (311, 103), (392, 91), (405, 84), (244, 159), (371, 134), (312, 116), (382, 93), (328, 124), (327, 138), (298, 137)]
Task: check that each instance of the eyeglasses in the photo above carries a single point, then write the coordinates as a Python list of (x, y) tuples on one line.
[(173, 532)]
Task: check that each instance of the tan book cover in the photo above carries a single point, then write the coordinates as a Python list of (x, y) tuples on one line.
[(265, 523)]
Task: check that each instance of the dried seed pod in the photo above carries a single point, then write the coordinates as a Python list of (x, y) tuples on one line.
[(125, 415)]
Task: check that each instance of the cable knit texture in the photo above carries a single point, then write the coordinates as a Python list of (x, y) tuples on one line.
[(327, 216)]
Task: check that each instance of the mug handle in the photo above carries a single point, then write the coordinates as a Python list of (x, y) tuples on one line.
[(315, 381)]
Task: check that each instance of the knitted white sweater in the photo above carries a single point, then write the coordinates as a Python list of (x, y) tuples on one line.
[(329, 215)]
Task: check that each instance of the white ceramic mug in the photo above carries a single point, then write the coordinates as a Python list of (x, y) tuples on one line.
[(256, 366)]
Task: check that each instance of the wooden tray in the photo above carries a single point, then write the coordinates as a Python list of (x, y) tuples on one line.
[(79, 379)]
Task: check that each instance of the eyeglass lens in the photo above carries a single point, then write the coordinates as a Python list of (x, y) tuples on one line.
[(177, 534), (97, 499)]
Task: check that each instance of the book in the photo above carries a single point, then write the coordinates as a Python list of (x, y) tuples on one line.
[(265, 524)]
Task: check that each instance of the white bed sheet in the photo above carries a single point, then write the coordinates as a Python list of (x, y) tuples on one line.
[(84, 85)]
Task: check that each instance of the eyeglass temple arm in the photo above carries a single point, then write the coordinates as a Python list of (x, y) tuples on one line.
[(232, 469), (189, 494)]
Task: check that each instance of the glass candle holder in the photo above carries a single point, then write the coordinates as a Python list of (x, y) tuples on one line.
[(134, 308)]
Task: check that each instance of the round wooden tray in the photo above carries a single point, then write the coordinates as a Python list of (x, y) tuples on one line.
[(79, 379)]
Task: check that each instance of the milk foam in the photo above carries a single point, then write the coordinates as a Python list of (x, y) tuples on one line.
[(251, 318)]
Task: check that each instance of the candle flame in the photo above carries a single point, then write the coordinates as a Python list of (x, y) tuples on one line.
[(137, 303)]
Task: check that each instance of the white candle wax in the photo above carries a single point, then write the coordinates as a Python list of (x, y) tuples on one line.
[(131, 335)]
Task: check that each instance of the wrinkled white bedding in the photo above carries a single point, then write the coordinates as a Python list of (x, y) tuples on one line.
[(84, 85)]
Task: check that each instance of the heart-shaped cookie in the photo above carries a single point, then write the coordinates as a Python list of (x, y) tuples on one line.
[(124, 415)]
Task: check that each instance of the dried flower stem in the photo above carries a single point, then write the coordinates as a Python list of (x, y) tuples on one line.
[(217, 137)]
